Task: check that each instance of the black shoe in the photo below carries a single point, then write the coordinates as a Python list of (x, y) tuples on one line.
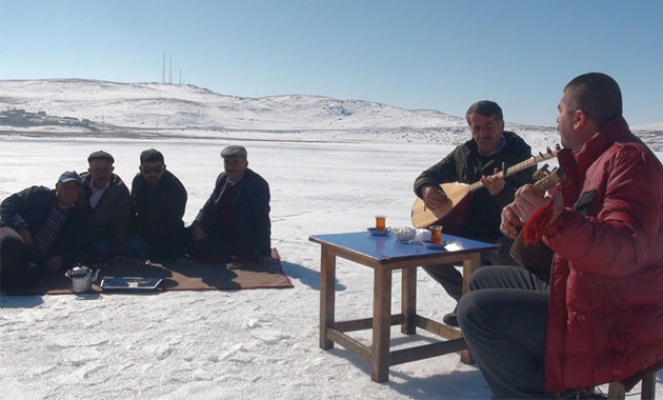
[(450, 319)]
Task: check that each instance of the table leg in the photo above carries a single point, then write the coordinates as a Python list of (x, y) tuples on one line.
[(327, 296), (469, 266), (409, 300), (381, 323)]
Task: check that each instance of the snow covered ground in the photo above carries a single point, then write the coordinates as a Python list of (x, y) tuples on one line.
[(235, 344)]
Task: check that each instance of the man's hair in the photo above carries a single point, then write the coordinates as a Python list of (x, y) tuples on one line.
[(486, 108), (597, 94), (151, 155)]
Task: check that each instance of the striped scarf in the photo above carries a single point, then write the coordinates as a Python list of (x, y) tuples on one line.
[(45, 236)]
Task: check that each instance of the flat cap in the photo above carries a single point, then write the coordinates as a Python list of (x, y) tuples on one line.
[(234, 151), (101, 155), (69, 176)]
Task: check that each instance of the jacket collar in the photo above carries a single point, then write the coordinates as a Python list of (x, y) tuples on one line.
[(575, 163), (616, 130)]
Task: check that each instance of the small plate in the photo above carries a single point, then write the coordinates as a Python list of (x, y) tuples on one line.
[(436, 246), (375, 232)]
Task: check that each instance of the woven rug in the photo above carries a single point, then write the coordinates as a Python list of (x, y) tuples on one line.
[(184, 276)]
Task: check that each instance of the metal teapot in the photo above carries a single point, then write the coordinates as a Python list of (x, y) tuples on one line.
[(81, 278)]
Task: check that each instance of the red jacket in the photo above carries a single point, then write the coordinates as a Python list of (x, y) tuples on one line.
[(606, 294)]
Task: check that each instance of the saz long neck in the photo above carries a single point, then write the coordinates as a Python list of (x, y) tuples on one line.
[(520, 166)]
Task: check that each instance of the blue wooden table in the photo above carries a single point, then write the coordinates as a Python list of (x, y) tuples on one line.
[(385, 255)]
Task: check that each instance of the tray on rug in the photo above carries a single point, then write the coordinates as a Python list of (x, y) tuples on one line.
[(129, 283)]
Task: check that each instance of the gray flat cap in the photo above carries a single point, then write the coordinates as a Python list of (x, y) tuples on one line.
[(234, 151), (101, 155)]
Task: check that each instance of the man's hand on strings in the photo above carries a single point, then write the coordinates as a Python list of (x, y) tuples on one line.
[(526, 203), (494, 183), (434, 197)]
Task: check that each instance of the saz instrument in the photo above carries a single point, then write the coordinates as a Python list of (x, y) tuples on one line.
[(456, 210), (537, 256)]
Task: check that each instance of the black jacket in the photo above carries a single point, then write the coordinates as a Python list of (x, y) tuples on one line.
[(110, 218), (30, 208), (156, 213), (250, 213), (464, 164)]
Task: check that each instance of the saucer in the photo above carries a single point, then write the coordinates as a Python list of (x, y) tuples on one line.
[(436, 246), (375, 232)]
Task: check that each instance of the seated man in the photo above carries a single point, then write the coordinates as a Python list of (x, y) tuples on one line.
[(40, 231), (235, 219), (599, 316), (157, 208), (478, 159), (106, 203)]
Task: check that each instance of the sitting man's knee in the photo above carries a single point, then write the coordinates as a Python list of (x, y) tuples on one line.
[(478, 278)]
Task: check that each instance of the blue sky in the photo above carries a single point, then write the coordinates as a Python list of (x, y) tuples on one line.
[(417, 54)]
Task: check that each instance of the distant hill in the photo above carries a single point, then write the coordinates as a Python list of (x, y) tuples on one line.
[(75, 107), (148, 106)]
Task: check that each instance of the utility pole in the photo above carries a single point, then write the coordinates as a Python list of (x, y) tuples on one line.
[(170, 71), (163, 69)]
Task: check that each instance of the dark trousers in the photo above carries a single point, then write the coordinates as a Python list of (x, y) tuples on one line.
[(16, 272), (452, 280), (210, 249), (217, 247), (504, 320), (157, 245)]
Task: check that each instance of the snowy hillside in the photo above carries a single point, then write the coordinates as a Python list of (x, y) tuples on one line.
[(92, 108), (141, 110), (146, 106)]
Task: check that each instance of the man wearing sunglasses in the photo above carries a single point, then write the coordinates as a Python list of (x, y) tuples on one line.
[(158, 201)]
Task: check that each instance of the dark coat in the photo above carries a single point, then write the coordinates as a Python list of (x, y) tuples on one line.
[(465, 165), (30, 208), (156, 213), (250, 214), (606, 294), (110, 219)]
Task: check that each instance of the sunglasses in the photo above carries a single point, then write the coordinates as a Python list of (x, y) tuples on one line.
[(147, 170)]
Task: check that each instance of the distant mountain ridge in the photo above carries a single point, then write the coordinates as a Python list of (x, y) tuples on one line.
[(82, 107)]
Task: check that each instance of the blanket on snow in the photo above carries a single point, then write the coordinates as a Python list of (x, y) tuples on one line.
[(175, 276)]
